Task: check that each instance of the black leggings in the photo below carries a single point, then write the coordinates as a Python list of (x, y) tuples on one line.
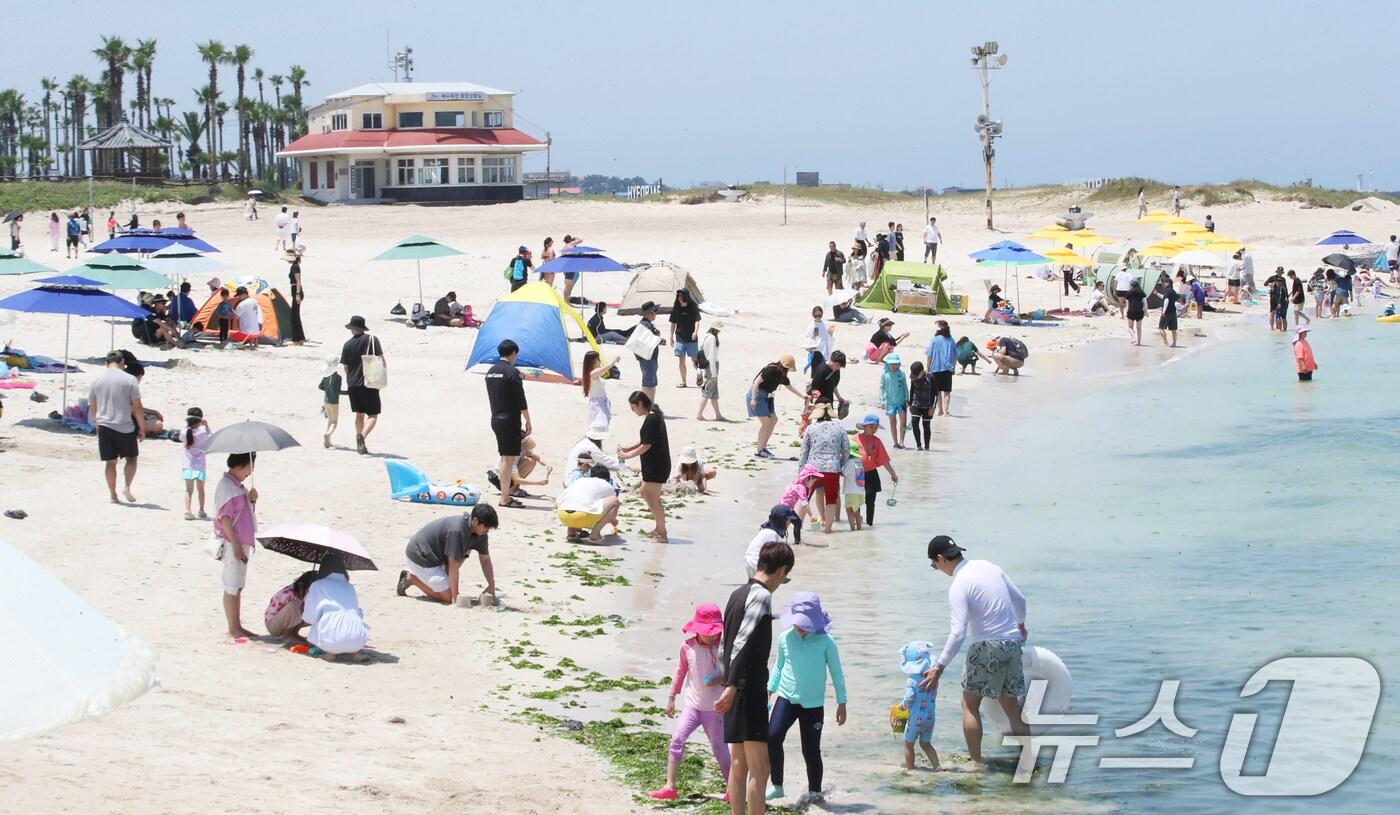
[(1069, 281), (223, 329), (920, 416), (809, 727), (872, 489)]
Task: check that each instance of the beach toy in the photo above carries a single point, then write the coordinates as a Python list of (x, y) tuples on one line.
[(899, 718), (300, 649), (314, 652), (1390, 318), (889, 502), (1038, 664), (408, 483)]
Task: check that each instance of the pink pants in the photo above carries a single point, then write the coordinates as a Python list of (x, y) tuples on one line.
[(714, 730)]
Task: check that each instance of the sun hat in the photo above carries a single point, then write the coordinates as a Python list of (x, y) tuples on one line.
[(331, 364), (717, 325), (707, 621), (597, 431), (649, 306), (870, 419), (779, 517), (916, 658), (357, 322), (810, 344), (892, 359), (886, 321), (688, 455), (806, 611), (943, 545), (1301, 330), (788, 362)]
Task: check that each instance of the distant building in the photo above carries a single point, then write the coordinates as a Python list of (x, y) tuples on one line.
[(806, 179), (413, 142)]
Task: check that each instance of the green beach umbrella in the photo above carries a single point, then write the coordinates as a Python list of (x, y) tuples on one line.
[(12, 263), (417, 248), (120, 272)]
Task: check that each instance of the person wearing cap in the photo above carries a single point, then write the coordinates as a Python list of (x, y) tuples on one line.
[(826, 447), (510, 415), (649, 365), (690, 469), (894, 394), (519, 268), (591, 445), (806, 654), (987, 607), (709, 371), (331, 392), (760, 398), (685, 318), (781, 519), (588, 505), (155, 328), (873, 456), (435, 553), (114, 402), (698, 672), (882, 342), (748, 640), (364, 401), (1303, 354)]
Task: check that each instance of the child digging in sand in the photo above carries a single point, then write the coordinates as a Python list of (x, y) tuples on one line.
[(192, 459), (916, 658), (700, 674)]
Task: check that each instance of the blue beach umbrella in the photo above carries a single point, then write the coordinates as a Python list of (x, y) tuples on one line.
[(1343, 237), (146, 241), (1009, 253), (71, 300), (578, 263)]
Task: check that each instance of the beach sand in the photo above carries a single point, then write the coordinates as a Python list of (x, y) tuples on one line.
[(427, 726)]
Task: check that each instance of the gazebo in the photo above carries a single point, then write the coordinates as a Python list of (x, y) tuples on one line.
[(127, 150)]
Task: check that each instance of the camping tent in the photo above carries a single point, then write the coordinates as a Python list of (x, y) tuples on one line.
[(535, 316), (658, 282), (276, 314), (1148, 277), (64, 661), (881, 293)]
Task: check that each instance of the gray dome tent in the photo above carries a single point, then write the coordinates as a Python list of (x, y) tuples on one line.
[(659, 283)]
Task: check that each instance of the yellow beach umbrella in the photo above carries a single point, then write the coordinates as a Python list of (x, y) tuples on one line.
[(1064, 257), (1048, 233), (1194, 233), (1156, 216), (1087, 239), (1160, 250)]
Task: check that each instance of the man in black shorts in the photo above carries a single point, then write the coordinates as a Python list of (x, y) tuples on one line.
[(748, 642), (114, 400), (510, 414), (364, 402)]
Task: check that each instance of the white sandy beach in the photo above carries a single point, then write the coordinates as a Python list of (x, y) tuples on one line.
[(253, 728)]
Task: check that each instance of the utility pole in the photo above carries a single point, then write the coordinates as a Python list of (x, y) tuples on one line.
[(784, 195), (548, 179), (984, 59)]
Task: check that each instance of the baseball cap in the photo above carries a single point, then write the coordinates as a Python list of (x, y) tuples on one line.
[(943, 545)]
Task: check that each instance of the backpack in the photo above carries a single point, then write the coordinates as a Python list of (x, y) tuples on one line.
[(702, 361), (1017, 348)]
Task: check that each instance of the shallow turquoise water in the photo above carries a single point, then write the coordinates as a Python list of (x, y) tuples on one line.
[(1192, 516)]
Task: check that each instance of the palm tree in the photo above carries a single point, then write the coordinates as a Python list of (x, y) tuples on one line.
[(297, 75), (11, 115), (49, 85), (146, 51), (219, 110), (116, 54), (138, 105), (240, 56), (212, 52), (189, 128), (78, 88), (279, 124)]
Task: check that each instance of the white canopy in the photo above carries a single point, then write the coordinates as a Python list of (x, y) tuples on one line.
[(63, 660)]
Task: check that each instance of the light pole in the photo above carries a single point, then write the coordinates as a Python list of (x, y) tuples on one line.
[(985, 58)]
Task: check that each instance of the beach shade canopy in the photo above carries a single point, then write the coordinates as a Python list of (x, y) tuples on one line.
[(312, 542), (249, 436), (64, 661), (178, 260), (1178, 225), (417, 248), (13, 263), (1342, 237), (1338, 260), (1200, 257), (534, 316), (145, 241)]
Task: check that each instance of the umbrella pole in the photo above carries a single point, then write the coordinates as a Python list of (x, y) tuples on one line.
[(66, 320), (419, 263)]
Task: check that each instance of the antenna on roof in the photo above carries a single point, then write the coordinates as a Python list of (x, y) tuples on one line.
[(403, 60)]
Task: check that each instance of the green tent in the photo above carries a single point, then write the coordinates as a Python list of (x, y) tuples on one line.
[(881, 293)]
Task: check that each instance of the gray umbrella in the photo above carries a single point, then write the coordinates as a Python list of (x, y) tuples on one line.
[(250, 437), (12, 215), (1341, 262)]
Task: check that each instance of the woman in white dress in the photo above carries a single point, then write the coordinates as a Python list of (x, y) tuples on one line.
[(332, 610), (595, 388)]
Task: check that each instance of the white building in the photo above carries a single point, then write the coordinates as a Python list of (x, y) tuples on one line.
[(413, 141)]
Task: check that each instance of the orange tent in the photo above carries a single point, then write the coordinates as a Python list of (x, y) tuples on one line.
[(276, 315)]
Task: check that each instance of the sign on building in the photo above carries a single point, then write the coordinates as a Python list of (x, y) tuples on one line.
[(805, 179), (643, 190), (456, 96)]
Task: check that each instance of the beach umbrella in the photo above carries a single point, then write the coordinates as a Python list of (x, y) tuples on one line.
[(574, 262), (1048, 233), (1199, 257), (840, 297), (249, 436), (1156, 216), (1086, 241), (182, 261), (1342, 237), (256, 192), (1064, 257), (1177, 225), (1162, 249), (13, 263), (115, 276), (71, 299), (146, 241), (1008, 254), (12, 215), (312, 542), (1341, 262), (417, 248), (64, 661), (1228, 246)]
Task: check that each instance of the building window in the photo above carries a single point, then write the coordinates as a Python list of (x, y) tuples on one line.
[(371, 121), (330, 175), (495, 118), (434, 171), (406, 173), (475, 122), (498, 170), (450, 118), (315, 173), (466, 171), (340, 121), (411, 119)]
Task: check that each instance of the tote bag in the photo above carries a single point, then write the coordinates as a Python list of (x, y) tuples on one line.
[(643, 343), (376, 374)]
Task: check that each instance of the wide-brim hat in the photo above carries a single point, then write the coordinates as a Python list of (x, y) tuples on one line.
[(1301, 330), (916, 658), (806, 612), (597, 430), (892, 359), (688, 455), (788, 362), (707, 621), (331, 365), (357, 322), (811, 344)]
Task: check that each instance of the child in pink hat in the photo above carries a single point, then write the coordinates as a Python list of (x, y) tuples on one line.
[(700, 673)]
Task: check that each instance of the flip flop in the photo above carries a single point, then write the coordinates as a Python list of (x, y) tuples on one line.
[(402, 588), (511, 504)]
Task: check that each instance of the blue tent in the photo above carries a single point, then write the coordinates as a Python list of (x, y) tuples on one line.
[(533, 316)]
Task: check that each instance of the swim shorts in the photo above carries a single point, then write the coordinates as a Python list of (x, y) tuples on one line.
[(993, 668)]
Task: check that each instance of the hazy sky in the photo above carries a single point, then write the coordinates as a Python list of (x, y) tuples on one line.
[(864, 92)]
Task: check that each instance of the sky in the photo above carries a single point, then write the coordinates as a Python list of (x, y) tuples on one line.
[(874, 93)]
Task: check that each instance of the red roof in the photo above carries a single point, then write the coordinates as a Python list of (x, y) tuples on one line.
[(428, 137)]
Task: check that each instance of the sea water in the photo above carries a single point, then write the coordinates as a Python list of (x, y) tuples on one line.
[(1187, 514)]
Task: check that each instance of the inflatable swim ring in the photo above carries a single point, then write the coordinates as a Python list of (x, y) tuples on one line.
[(1037, 663)]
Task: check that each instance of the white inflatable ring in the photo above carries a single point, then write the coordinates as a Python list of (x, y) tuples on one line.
[(1036, 663)]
